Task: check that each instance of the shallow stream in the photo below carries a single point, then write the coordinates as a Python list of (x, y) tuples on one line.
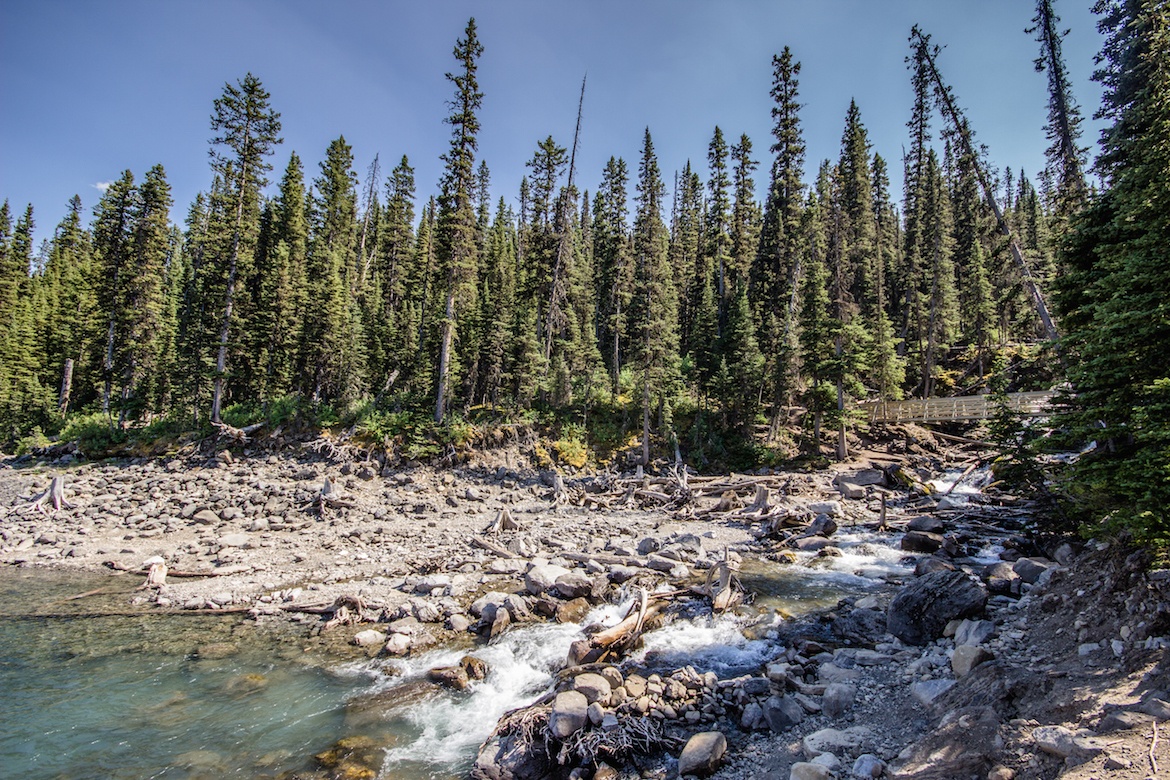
[(157, 696)]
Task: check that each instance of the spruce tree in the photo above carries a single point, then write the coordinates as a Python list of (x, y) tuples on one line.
[(332, 356), (1112, 295), (614, 266), (112, 234), (653, 306), (1066, 157), (456, 244), (246, 130), (777, 270)]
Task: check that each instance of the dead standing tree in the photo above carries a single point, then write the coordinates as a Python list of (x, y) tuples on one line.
[(947, 104)]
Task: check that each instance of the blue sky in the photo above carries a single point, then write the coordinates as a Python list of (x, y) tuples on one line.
[(89, 89)]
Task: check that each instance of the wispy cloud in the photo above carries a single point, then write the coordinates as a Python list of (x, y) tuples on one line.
[(102, 185)]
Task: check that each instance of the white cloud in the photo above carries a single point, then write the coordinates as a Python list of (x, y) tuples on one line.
[(102, 185)]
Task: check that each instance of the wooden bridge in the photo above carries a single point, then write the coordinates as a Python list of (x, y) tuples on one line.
[(959, 408)]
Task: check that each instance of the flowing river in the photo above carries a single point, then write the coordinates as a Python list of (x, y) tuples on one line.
[(91, 696)]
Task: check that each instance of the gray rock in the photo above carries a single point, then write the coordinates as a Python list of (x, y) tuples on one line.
[(868, 766), (1123, 720), (432, 582), (927, 523), (927, 691), (752, 717), (922, 609), (573, 585), (825, 507), (1061, 742), (757, 686), (648, 545), (967, 657), (864, 477), (835, 741), (205, 517), (398, 644), (1030, 569), (619, 574), (569, 714), (234, 540), (592, 686), (806, 770), (491, 597), (851, 491), (974, 632), (782, 713), (458, 622), (369, 638), (1064, 554), (1156, 707), (922, 542), (542, 577), (838, 699), (702, 754), (832, 673)]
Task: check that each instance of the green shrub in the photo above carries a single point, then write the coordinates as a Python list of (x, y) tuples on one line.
[(35, 440), (95, 434)]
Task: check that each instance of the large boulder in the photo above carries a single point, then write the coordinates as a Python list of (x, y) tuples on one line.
[(782, 713), (569, 713), (922, 609), (541, 577), (702, 754)]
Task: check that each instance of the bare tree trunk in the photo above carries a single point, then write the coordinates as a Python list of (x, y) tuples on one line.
[(108, 366), (947, 103), (646, 417), (66, 387), (445, 354)]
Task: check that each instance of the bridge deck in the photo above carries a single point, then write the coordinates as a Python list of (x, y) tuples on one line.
[(959, 408)]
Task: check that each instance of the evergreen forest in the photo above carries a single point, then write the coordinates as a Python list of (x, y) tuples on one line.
[(652, 314)]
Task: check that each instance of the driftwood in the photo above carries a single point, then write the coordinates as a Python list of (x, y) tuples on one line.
[(611, 642), (503, 522), (121, 567), (723, 586), (329, 498), (53, 495), (493, 547), (156, 576), (346, 611), (237, 435), (962, 476)]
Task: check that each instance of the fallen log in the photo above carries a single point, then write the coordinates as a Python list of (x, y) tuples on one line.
[(492, 547), (611, 642), (238, 435)]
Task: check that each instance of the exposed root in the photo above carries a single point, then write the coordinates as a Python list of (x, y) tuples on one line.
[(237, 435), (329, 498), (54, 496), (633, 735)]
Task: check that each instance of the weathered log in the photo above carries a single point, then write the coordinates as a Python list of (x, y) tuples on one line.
[(238, 435), (614, 641), (492, 547), (156, 576), (503, 522), (760, 506)]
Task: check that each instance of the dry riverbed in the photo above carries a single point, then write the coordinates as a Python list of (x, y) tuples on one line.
[(994, 659)]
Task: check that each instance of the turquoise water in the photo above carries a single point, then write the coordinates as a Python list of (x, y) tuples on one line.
[(133, 697), (88, 694)]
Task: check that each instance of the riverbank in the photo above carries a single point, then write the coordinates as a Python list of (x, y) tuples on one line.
[(299, 536)]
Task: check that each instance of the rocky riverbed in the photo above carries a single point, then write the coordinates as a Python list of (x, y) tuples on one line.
[(980, 655)]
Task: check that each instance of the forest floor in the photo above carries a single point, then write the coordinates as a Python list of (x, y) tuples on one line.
[(1083, 649)]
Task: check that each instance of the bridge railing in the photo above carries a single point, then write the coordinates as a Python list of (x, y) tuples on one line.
[(956, 409)]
